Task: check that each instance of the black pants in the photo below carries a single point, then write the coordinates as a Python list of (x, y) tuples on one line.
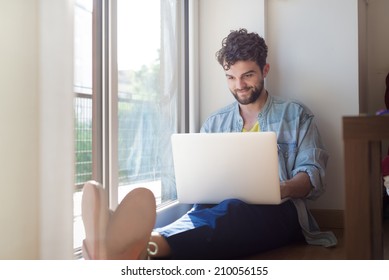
[(232, 229)]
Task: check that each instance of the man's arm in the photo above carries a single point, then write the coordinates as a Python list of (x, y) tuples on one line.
[(311, 160), (297, 187)]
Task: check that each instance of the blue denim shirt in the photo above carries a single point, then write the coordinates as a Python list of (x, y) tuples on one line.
[(300, 149)]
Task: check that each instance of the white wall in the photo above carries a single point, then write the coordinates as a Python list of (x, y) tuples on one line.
[(56, 128), (378, 54), (36, 129), (313, 53), (362, 52), (19, 141), (216, 19), (314, 57)]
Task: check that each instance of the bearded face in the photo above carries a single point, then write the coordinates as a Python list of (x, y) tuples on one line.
[(245, 81)]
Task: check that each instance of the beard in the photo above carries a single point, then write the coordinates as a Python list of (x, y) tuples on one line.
[(250, 98)]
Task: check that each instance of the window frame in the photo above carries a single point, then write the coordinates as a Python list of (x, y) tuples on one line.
[(108, 95), (105, 103)]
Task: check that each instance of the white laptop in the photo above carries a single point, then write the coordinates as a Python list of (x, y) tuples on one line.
[(212, 167)]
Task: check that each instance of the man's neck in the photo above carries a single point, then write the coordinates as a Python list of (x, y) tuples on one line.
[(250, 111)]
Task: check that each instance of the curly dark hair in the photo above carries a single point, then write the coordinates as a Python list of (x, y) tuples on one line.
[(241, 45)]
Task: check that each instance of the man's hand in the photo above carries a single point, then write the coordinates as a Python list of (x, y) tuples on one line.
[(297, 187)]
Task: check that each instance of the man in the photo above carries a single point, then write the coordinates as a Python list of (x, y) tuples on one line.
[(231, 229)]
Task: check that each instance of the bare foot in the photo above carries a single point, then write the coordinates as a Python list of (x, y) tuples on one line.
[(129, 228), (95, 215)]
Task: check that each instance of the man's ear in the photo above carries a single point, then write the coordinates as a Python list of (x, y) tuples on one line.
[(266, 70)]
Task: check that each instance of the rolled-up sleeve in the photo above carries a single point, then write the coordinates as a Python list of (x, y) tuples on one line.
[(312, 156)]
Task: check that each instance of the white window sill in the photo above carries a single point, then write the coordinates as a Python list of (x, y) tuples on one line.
[(166, 213)]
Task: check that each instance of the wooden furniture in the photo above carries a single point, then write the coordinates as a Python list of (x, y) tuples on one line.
[(362, 137)]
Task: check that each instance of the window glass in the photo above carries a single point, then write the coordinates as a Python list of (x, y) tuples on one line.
[(147, 96), (83, 46), (82, 108)]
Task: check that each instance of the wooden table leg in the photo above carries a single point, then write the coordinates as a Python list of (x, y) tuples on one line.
[(357, 212), (363, 214), (376, 200)]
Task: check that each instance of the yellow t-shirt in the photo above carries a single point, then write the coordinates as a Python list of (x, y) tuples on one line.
[(255, 128)]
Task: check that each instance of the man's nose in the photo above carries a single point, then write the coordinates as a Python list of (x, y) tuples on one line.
[(240, 84)]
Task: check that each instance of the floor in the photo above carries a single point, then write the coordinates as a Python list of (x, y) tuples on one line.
[(303, 251)]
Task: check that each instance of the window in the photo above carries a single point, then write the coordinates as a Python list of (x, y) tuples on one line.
[(147, 95), (83, 93), (127, 88)]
